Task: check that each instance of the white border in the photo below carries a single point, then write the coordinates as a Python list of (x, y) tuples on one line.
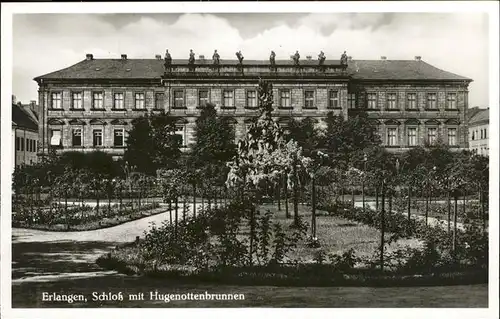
[(8, 10)]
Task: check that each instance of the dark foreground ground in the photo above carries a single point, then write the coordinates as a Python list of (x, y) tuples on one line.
[(65, 264)]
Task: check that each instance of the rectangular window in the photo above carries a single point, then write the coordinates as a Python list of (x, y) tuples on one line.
[(451, 101), (333, 99), (97, 100), (76, 100), (178, 99), (118, 101), (412, 136), (56, 137), (159, 101), (431, 101), (371, 99), (431, 135), (452, 136), (97, 140), (285, 99), (118, 137), (228, 98), (309, 99), (391, 101), (203, 98), (18, 147), (28, 145), (351, 100), (251, 98), (485, 134), (391, 136), (180, 130), (56, 98), (22, 143), (77, 137), (139, 100), (412, 101)]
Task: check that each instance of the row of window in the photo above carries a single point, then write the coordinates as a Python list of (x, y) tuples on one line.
[(27, 144), (483, 134), (228, 100), (412, 139), (411, 101), (98, 137)]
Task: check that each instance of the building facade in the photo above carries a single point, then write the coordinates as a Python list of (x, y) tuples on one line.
[(25, 135), (479, 131), (91, 104)]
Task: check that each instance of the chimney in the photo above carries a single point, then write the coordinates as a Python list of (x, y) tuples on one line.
[(383, 58), (201, 57), (124, 56), (158, 57), (32, 103), (89, 56), (309, 57), (418, 58), (14, 99)]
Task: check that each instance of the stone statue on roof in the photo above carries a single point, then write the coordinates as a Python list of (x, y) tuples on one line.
[(216, 57), (191, 57), (321, 58), (272, 58), (168, 58), (239, 55), (343, 59), (296, 58)]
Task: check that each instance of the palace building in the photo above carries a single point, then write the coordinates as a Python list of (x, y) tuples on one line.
[(90, 105)]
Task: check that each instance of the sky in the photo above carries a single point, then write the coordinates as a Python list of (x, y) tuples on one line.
[(455, 42)]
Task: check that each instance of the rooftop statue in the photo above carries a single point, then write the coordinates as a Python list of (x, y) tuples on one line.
[(191, 57), (168, 58), (296, 58), (216, 57), (321, 58), (272, 58), (239, 55), (343, 59)]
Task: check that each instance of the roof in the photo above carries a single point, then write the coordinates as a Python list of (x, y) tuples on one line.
[(154, 69), (480, 117), (22, 119)]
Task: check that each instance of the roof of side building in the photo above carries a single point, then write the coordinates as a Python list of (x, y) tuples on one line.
[(482, 116), (22, 119), (154, 68)]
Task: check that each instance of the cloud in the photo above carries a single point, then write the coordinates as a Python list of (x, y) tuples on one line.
[(455, 42)]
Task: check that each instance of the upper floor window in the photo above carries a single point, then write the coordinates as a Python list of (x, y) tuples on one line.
[(351, 100), (452, 136), (431, 101), (97, 137), (180, 130), (77, 137), (451, 101), (412, 136), (56, 98), (333, 99), (139, 100), (77, 100), (251, 98), (228, 99), (485, 134), (391, 101), (18, 146), (98, 100), (118, 139), (392, 136), (202, 98), (431, 135), (179, 99), (285, 99), (412, 100), (118, 101), (159, 100), (371, 99)]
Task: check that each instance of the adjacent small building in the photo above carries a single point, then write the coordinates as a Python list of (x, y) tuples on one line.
[(479, 130), (24, 133)]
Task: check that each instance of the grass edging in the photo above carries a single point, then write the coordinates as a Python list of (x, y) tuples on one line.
[(144, 214)]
